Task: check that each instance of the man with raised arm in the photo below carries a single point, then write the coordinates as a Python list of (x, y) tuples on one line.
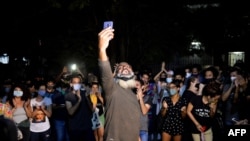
[(122, 106)]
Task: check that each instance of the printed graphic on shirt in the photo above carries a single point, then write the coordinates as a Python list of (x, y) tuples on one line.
[(95, 120), (202, 112), (39, 115)]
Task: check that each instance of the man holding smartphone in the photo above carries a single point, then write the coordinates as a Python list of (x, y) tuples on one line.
[(122, 107)]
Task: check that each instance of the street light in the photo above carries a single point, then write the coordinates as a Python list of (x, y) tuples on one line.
[(73, 67), (4, 59)]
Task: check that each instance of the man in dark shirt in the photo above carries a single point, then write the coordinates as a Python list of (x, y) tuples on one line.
[(80, 112), (122, 118)]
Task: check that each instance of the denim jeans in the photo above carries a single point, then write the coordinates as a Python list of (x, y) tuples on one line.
[(144, 135), (61, 130)]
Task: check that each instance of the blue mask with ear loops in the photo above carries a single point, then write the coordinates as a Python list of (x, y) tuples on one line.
[(77, 87), (172, 91), (41, 92)]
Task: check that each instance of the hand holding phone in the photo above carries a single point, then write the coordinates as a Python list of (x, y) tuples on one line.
[(107, 24)]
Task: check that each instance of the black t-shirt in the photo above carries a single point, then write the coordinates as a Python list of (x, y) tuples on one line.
[(59, 111), (201, 112), (187, 94), (81, 119)]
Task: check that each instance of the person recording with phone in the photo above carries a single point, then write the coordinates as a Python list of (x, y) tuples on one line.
[(122, 118)]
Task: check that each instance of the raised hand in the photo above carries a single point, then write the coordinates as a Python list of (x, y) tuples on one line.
[(163, 66), (183, 108), (78, 94), (164, 104), (104, 37), (27, 103)]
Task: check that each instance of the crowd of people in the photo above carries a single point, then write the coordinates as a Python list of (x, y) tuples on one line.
[(190, 103)]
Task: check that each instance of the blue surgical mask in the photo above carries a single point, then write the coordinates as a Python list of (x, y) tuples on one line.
[(77, 87), (41, 92), (172, 91), (18, 93)]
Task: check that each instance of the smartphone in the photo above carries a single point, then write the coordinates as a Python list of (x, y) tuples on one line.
[(107, 24)]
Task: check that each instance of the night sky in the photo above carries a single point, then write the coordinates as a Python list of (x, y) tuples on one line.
[(52, 27), (26, 22)]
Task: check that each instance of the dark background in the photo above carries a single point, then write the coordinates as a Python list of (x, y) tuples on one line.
[(54, 33)]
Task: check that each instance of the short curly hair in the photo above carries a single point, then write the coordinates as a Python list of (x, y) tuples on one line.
[(212, 89)]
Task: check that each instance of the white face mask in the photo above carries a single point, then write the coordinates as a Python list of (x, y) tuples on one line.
[(77, 87), (232, 78), (18, 93), (169, 80), (188, 74)]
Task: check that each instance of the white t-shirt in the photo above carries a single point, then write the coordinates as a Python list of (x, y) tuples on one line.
[(41, 122)]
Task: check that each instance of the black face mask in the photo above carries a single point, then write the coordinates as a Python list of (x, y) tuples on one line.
[(126, 78), (134, 90), (207, 81), (50, 87), (197, 85), (163, 79), (195, 75)]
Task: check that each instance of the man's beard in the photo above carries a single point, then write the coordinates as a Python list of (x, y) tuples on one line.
[(126, 84)]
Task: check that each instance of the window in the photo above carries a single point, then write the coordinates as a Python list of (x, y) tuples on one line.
[(235, 56)]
